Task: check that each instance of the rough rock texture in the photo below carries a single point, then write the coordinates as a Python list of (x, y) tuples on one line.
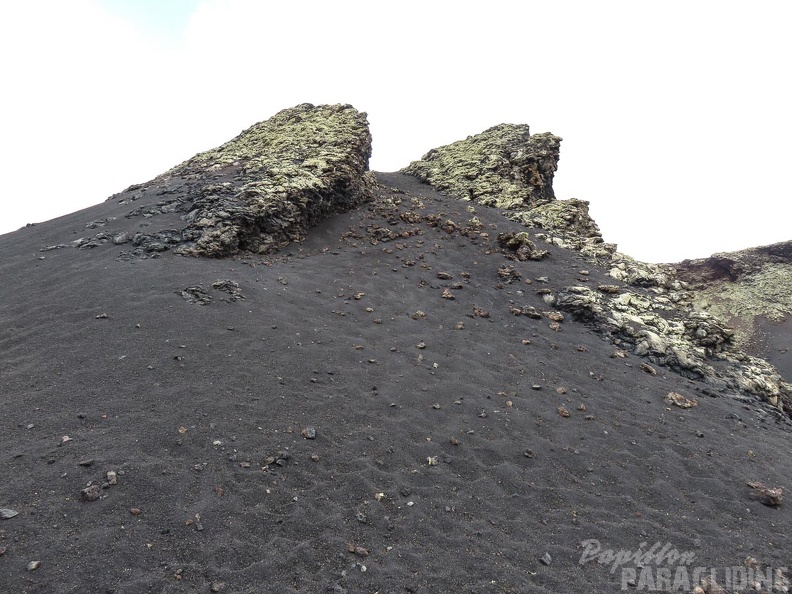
[(691, 342), (689, 317), (504, 166), (745, 284), (566, 223), (296, 169), (263, 189)]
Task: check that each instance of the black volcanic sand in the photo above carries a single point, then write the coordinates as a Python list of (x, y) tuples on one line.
[(773, 341), (200, 410)]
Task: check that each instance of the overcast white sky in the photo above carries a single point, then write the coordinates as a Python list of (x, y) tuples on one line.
[(675, 114)]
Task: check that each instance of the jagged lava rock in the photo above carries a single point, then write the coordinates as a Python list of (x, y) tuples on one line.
[(507, 167), (752, 290), (661, 317), (504, 166), (255, 193), (296, 169)]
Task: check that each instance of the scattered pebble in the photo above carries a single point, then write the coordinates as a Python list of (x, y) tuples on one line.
[(646, 368), (90, 493), (7, 514), (33, 565), (766, 495), (680, 401), (546, 559), (309, 433)]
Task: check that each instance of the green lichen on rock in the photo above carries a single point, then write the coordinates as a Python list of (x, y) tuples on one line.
[(504, 166), (743, 286), (694, 343), (567, 224), (285, 175)]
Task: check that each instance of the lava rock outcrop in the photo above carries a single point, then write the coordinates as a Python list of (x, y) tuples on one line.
[(504, 166), (685, 317)]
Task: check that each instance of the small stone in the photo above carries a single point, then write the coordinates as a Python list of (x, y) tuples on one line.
[(102, 316), (431, 460), (87, 462), (612, 289), (33, 565), (529, 454), (646, 368), (420, 345), (112, 477), (444, 276), (766, 495), (546, 559), (562, 410), (555, 316), (3, 551), (536, 387), (217, 586), (447, 294), (7, 514), (561, 390), (454, 441), (90, 493), (309, 433), (680, 401)]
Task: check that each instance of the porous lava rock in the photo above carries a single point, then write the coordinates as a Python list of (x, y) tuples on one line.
[(504, 166), (295, 169), (746, 284), (688, 317)]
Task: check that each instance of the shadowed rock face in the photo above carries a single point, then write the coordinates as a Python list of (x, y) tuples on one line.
[(296, 169), (263, 189), (752, 290)]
